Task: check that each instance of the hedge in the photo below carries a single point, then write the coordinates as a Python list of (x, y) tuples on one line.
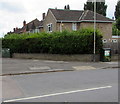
[(75, 42)]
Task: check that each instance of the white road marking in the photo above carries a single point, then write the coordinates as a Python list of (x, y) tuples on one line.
[(55, 61), (61, 93), (83, 67), (115, 63), (40, 68)]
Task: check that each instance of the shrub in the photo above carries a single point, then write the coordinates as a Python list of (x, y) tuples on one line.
[(75, 42)]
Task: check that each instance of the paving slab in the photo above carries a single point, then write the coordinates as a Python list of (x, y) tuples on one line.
[(12, 66)]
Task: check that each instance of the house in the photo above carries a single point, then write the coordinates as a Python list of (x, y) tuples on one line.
[(32, 27), (62, 19), (115, 39)]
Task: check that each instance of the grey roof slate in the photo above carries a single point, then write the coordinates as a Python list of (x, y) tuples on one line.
[(69, 15), (36, 22), (77, 15), (89, 15)]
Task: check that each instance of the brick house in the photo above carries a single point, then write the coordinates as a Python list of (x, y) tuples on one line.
[(32, 27), (60, 19)]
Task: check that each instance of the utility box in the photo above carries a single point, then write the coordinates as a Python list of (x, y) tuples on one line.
[(6, 53), (105, 55)]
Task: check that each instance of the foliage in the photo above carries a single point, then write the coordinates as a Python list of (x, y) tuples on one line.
[(118, 23), (117, 10), (75, 42), (100, 7), (115, 31)]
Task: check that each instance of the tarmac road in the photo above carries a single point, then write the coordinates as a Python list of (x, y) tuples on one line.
[(72, 86)]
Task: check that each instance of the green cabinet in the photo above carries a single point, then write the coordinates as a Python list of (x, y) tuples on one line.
[(105, 55), (6, 53)]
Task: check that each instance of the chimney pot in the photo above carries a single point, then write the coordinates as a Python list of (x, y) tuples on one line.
[(24, 23), (14, 29)]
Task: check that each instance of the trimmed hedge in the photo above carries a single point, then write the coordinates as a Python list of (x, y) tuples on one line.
[(75, 42)]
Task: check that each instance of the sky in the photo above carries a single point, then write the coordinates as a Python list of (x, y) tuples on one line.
[(14, 12)]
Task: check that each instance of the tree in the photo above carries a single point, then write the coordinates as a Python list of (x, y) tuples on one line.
[(89, 6), (100, 7), (117, 10), (118, 23), (115, 31)]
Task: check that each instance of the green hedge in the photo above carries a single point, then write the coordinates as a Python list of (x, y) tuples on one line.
[(75, 42)]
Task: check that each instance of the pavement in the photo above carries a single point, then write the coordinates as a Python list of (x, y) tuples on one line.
[(11, 66)]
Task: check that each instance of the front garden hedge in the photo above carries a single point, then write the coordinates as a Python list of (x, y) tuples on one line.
[(75, 42)]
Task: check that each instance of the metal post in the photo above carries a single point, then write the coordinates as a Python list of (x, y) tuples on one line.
[(117, 41), (61, 26), (94, 28)]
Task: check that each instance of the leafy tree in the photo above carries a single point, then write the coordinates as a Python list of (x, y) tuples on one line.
[(117, 10), (118, 23), (100, 7), (89, 6), (115, 31)]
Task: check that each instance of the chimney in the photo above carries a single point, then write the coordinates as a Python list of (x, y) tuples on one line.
[(14, 29), (43, 16), (24, 23)]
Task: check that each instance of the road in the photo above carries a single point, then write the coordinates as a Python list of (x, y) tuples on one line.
[(100, 85)]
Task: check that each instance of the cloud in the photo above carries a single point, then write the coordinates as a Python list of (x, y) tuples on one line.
[(14, 12), (14, 7)]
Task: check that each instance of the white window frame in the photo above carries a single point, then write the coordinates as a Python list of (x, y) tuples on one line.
[(49, 27), (104, 40), (74, 26), (114, 40)]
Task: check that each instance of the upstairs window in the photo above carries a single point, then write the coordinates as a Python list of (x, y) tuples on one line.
[(104, 41), (74, 26), (114, 40), (49, 27)]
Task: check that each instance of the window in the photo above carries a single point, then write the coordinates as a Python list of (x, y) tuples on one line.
[(74, 26), (104, 41), (37, 30), (114, 40), (49, 27)]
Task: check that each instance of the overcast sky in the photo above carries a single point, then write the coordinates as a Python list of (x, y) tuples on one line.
[(14, 12)]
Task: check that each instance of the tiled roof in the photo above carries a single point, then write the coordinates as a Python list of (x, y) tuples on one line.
[(36, 22), (77, 15), (89, 15), (69, 15)]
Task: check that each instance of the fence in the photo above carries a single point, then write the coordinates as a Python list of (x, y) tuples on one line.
[(115, 47)]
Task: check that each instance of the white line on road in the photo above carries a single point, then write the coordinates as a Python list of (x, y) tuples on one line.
[(61, 93)]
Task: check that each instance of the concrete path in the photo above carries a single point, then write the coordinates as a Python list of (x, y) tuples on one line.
[(12, 66)]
